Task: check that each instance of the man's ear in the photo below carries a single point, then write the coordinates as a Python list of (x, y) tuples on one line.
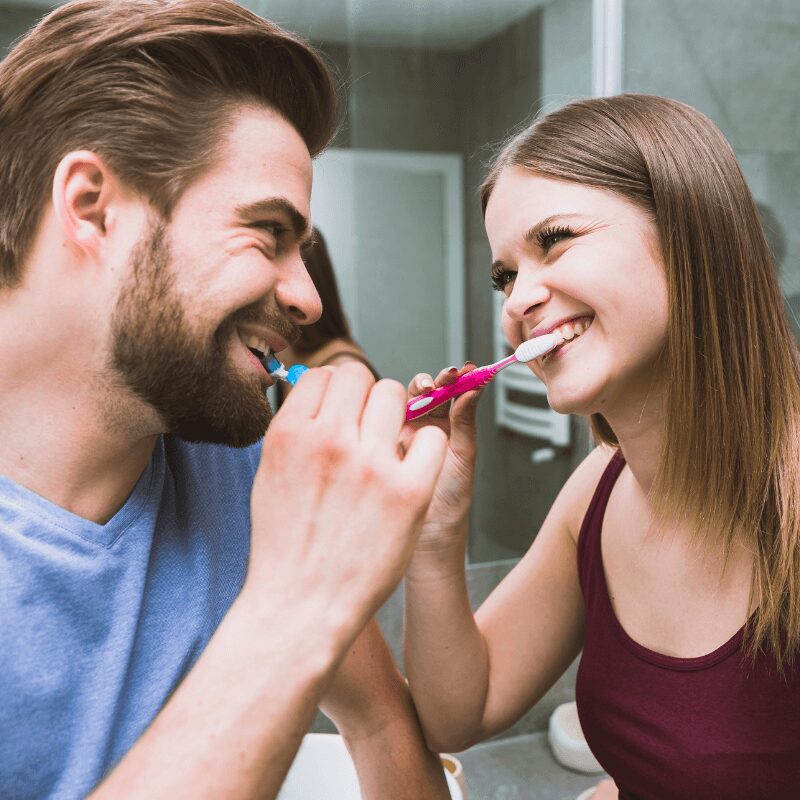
[(83, 187)]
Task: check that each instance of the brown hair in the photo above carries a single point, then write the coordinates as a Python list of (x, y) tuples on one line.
[(731, 457), (333, 323), (148, 85)]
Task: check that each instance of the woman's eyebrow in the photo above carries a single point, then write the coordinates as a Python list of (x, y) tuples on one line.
[(532, 234)]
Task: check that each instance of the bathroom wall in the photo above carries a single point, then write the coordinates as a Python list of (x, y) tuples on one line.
[(738, 62), (15, 21)]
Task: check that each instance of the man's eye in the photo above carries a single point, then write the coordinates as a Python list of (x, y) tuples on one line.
[(274, 229), (502, 278)]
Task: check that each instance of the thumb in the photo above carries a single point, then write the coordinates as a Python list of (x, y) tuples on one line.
[(463, 419)]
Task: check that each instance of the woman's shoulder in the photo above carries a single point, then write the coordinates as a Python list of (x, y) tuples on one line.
[(576, 494), (333, 351)]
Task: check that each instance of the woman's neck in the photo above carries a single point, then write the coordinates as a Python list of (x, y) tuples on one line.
[(640, 432)]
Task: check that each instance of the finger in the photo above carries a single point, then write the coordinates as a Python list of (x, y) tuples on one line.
[(420, 384), (384, 415), (424, 457), (305, 399), (463, 421), (447, 375), (345, 396)]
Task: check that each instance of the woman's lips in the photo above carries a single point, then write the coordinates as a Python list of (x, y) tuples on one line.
[(559, 350)]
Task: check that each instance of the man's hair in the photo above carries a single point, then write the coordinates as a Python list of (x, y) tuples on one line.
[(731, 458), (148, 85)]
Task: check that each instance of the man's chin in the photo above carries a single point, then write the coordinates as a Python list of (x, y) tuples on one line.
[(234, 426)]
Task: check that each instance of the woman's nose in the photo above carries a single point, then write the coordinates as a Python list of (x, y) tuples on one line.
[(296, 294), (528, 293)]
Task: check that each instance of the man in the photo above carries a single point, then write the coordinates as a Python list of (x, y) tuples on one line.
[(164, 633)]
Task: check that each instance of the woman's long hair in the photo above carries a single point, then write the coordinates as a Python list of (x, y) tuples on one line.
[(731, 457), (333, 322)]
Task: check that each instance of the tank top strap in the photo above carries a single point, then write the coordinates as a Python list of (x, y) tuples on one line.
[(590, 564)]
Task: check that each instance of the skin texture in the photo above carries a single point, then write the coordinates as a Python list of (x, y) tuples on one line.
[(80, 428), (472, 676)]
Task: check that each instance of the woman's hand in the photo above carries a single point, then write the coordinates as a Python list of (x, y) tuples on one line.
[(446, 521)]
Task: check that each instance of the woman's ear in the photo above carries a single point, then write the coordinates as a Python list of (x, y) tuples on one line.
[(83, 187)]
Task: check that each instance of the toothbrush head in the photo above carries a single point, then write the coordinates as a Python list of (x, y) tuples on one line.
[(295, 373), (275, 369), (534, 348)]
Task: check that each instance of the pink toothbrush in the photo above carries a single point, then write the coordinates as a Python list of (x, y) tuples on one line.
[(527, 351)]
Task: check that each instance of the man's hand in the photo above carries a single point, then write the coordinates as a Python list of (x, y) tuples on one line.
[(336, 505)]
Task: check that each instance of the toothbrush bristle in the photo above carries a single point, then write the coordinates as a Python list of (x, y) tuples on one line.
[(534, 348)]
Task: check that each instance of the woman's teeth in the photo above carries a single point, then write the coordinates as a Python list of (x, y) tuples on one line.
[(569, 330)]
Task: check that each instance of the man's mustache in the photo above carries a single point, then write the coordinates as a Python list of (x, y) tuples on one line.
[(258, 315)]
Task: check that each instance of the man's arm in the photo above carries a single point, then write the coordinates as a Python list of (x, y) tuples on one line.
[(234, 725), (371, 705), (331, 481)]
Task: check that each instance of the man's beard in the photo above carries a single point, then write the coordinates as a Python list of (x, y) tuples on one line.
[(189, 381)]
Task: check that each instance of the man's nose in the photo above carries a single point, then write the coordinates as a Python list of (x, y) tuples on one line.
[(296, 294)]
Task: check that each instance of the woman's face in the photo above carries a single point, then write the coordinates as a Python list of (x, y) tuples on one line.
[(586, 262)]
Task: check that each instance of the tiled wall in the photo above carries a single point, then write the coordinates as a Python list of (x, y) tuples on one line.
[(738, 62)]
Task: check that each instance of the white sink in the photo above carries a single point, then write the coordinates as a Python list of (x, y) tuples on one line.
[(323, 770)]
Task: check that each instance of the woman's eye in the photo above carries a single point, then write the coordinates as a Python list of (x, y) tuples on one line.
[(502, 279), (550, 237)]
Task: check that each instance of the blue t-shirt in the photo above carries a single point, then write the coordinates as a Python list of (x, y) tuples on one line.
[(99, 623)]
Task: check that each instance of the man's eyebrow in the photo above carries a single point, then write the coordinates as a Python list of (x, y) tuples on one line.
[(255, 212)]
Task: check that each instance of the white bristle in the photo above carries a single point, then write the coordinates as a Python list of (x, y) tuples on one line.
[(534, 348)]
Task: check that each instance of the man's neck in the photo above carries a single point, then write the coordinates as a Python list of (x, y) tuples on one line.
[(65, 436), (53, 447)]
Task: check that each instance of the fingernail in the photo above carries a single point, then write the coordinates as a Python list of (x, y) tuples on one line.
[(426, 384), (452, 370), (469, 364)]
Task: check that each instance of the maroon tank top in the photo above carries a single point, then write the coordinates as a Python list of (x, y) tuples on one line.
[(709, 728)]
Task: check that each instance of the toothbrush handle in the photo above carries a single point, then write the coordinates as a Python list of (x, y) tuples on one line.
[(419, 406)]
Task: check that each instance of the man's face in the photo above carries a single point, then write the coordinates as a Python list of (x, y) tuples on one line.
[(225, 275)]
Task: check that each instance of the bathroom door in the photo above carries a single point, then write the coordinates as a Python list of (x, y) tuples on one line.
[(393, 224)]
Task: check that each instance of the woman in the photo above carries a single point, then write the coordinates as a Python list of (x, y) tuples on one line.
[(671, 557)]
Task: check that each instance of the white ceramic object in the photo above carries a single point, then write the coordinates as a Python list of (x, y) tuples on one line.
[(567, 741), (323, 770)]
